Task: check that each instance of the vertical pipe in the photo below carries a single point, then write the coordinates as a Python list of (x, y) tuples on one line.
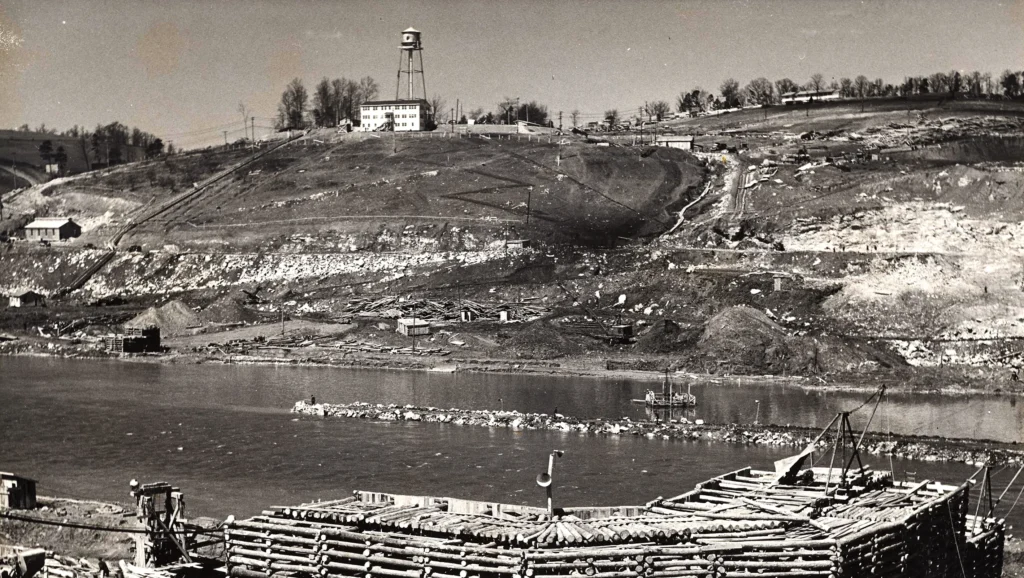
[(551, 467), (410, 75)]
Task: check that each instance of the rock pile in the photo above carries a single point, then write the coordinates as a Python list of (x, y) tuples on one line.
[(898, 446)]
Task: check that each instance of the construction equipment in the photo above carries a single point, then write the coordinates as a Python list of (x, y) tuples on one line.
[(619, 332), (23, 564), (160, 509)]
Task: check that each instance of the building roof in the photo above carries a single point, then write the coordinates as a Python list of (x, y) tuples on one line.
[(414, 321), (9, 476), (419, 101), (671, 137), (49, 223), (808, 93), (410, 29), (22, 293)]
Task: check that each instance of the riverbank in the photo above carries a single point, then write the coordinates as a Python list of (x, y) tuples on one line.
[(949, 380), (932, 449)]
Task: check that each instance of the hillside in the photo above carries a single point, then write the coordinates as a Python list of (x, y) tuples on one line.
[(846, 252), (20, 150), (361, 193)]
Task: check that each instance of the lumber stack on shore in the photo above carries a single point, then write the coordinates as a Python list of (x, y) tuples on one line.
[(743, 523)]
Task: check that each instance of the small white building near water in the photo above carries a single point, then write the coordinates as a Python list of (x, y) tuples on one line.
[(394, 115), (684, 142), (412, 327)]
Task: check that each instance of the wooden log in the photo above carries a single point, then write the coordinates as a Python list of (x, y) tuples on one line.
[(356, 570), (272, 556), (276, 528), (798, 564), (279, 548), (246, 561), (243, 572), (381, 571), (580, 552), (294, 567)]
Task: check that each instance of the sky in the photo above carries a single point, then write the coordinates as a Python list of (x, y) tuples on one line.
[(180, 68)]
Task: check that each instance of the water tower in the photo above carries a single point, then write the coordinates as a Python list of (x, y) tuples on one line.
[(410, 44)]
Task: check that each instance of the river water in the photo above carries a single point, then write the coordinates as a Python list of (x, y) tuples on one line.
[(224, 434)]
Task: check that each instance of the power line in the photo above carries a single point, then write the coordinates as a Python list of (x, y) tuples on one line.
[(202, 130)]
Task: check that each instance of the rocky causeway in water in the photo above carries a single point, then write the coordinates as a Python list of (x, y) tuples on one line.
[(887, 444)]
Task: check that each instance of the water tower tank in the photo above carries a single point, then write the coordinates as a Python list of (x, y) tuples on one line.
[(411, 39)]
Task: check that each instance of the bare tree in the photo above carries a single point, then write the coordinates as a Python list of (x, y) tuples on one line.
[(785, 85), (439, 109), (575, 116), (760, 91), (323, 103), (817, 82), (507, 108), (292, 109), (986, 83), (730, 93), (861, 84), (845, 87), (612, 117), (657, 110), (368, 90)]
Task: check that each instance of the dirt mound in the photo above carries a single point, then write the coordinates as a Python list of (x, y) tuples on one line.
[(173, 318), (667, 336), (746, 337), (538, 340), (744, 340), (228, 309)]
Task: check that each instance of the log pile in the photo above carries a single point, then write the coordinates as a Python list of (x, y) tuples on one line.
[(984, 554), (743, 523), (433, 310)]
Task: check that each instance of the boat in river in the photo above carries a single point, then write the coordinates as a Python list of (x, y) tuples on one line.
[(668, 398)]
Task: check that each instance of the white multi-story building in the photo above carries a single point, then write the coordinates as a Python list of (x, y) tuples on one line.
[(397, 115)]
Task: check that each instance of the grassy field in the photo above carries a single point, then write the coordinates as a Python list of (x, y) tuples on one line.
[(23, 148), (851, 115), (363, 191)]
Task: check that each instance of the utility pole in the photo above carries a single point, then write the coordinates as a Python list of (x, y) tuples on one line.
[(253, 135), (457, 109), (640, 115), (225, 139), (559, 120), (529, 196)]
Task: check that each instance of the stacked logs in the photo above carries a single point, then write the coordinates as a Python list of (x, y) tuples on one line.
[(740, 524), (984, 554)]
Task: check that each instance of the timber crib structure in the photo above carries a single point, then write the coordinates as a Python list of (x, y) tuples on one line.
[(745, 523)]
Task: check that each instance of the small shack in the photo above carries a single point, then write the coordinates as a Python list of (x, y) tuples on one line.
[(684, 142), (412, 327), (16, 492), (26, 299), (52, 229), (517, 243), (467, 315), (134, 340)]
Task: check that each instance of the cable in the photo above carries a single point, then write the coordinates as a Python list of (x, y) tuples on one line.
[(866, 401), (91, 527), (1014, 502), (956, 543), (1014, 479)]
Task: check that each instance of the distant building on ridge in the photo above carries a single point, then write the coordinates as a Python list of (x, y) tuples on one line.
[(401, 115)]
